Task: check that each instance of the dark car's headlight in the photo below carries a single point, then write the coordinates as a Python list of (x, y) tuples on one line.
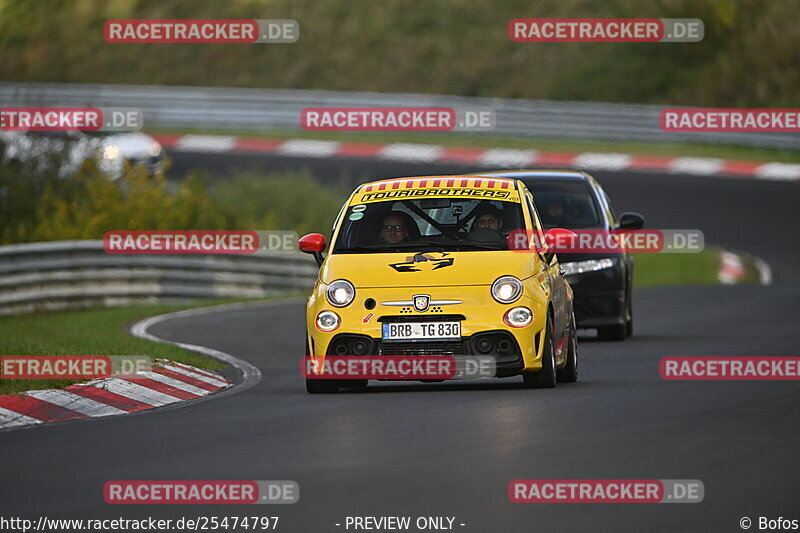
[(340, 293), (590, 265), (506, 289)]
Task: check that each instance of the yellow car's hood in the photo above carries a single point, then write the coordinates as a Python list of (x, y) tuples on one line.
[(429, 269)]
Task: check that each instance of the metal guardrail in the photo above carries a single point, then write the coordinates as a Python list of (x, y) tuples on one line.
[(221, 108), (80, 274)]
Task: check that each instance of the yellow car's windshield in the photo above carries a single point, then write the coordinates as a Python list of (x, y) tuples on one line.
[(430, 224)]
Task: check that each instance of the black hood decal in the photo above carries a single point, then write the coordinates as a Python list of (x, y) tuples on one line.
[(424, 261)]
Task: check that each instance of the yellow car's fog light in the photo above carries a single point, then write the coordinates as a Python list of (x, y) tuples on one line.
[(519, 317), (328, 321)]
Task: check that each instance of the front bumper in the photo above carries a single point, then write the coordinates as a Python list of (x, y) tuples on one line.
[(501, 345), (599, 297), (481, 317)]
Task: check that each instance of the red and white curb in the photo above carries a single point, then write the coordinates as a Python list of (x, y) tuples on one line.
[(166, 382), (732, 269), (486, 157)]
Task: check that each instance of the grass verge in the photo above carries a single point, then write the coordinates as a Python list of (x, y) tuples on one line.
[(93, 332), (653, 270)]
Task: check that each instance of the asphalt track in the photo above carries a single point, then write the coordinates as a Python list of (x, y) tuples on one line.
[(452, 449)]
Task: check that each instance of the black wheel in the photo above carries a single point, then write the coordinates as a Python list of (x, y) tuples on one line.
[(569, 374), (612, 333), (322, 386), (546, 377), (629, 322), (629, 327), (358, 384)]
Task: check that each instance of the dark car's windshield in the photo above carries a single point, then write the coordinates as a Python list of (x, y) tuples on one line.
[(452, 224), (564, 203)]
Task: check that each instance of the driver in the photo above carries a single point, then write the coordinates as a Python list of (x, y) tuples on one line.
[(556, 213), (394, 228)]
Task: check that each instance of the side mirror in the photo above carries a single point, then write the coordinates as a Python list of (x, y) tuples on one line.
[(313, 243), (558, 239), (631, 220)]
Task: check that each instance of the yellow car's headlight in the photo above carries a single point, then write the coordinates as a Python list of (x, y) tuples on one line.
[(506, 289), (340, 293)]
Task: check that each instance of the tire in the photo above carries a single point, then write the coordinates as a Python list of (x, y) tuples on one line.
[(358, 384), (629, 322), (322, 386), (569, 374), (546, 377), (612, 333)]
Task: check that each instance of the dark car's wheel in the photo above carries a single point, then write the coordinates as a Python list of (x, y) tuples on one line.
[(612, 333), (569, 374), (546, 377), (629, 322)]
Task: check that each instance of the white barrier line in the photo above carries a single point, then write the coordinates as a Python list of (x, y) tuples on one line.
[(205, 143), (411, 152), (309, 148), (598, 161), (505, 157), (703, 166)]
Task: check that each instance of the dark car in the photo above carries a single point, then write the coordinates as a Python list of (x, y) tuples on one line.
[(601, 281)]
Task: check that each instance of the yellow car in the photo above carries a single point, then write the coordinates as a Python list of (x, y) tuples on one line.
[(432, 266)]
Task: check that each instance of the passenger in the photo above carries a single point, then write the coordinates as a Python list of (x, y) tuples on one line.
[(487, 216)]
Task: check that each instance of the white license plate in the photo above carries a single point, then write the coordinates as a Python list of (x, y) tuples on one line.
[(421, 331)]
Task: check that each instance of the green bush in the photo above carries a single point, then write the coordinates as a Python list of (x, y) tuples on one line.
[(43, 206)]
